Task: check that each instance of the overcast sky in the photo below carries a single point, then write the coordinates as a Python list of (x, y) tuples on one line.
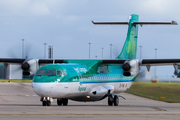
[(66, 24)]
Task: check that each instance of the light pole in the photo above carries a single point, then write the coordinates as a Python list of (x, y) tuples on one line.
[(102, 52), (140, 52), (111, 51), (45, 50), (155, 53), (96, 56), (89, 49), (23, 48), (155, 58)]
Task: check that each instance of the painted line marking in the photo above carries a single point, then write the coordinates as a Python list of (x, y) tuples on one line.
[(159, 109), (103, 114), (27, 95)]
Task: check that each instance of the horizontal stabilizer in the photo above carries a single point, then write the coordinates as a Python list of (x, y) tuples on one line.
[(156, 23), (110, 23), (140, 23)]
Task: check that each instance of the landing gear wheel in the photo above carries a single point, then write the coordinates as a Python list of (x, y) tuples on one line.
[(44, 103), (48, 103), (65, 101), (116, 100), (59, 101), (110, 100)]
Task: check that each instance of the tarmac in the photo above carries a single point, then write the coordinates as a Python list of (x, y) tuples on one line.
[(19, 102)]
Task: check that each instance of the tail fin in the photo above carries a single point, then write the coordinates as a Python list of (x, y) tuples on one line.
[(130, 46)]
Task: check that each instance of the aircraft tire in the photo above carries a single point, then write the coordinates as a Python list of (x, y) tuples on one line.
[(110, 100), (59, 101), (48, 103), (44, 103), (65, 101), (116, 100)]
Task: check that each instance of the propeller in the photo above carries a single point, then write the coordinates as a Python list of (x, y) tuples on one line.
[(25, 66), (15, 51)]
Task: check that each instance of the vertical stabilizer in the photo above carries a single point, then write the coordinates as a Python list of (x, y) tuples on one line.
[(130, 46)]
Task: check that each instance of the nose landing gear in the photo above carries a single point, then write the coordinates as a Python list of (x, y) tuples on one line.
[(46, 101)]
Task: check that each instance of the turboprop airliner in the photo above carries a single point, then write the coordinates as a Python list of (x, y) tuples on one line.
[(88, 80)]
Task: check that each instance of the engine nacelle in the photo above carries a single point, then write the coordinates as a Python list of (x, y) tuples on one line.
[(131, 67), (30, 67)]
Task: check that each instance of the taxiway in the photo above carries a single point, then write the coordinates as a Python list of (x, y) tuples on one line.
[(19, 102)]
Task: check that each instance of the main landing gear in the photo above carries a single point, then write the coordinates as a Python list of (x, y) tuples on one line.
[(62, 101), (112, 100), (46, 101)]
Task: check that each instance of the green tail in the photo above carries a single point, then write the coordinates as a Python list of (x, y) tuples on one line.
[(130, 45)]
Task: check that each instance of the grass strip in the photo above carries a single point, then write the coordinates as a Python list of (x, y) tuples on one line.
[(171, 91), (17, 81)]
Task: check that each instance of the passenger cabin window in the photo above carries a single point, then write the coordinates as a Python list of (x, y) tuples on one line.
[(103, 69), (51, 72), (59, 73), (41, 72)]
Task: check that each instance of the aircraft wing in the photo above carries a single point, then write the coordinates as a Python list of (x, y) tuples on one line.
[(143, 62), (11, 61), (30, 66), (105, 61), (159, 62)]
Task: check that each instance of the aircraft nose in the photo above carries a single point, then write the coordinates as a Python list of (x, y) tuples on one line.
[(41, 89)]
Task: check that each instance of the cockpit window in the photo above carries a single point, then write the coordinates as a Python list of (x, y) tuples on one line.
[(64, 73), (59, 73), (41, 72), (51, 72)]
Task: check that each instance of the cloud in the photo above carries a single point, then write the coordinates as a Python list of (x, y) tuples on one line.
[(40, 8), (160, 6), (26, 7)]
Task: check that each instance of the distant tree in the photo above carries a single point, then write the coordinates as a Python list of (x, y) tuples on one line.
[(177, 71)]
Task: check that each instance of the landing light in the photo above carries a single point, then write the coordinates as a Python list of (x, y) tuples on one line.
[(48, 98), (88, 96), (44, 98)]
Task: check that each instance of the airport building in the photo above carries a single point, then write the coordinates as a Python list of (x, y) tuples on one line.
[(50, 52), (12, 72), (1, 71)]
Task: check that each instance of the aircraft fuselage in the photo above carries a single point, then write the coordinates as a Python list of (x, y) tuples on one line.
[(77, 82)]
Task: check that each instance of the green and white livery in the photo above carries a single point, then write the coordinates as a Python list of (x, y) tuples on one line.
[(88, 79), (91, 80)]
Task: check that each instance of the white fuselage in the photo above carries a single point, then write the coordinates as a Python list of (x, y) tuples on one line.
[(77, 91)]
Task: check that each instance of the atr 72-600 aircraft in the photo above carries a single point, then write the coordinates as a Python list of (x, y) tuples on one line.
[(88, 79)]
